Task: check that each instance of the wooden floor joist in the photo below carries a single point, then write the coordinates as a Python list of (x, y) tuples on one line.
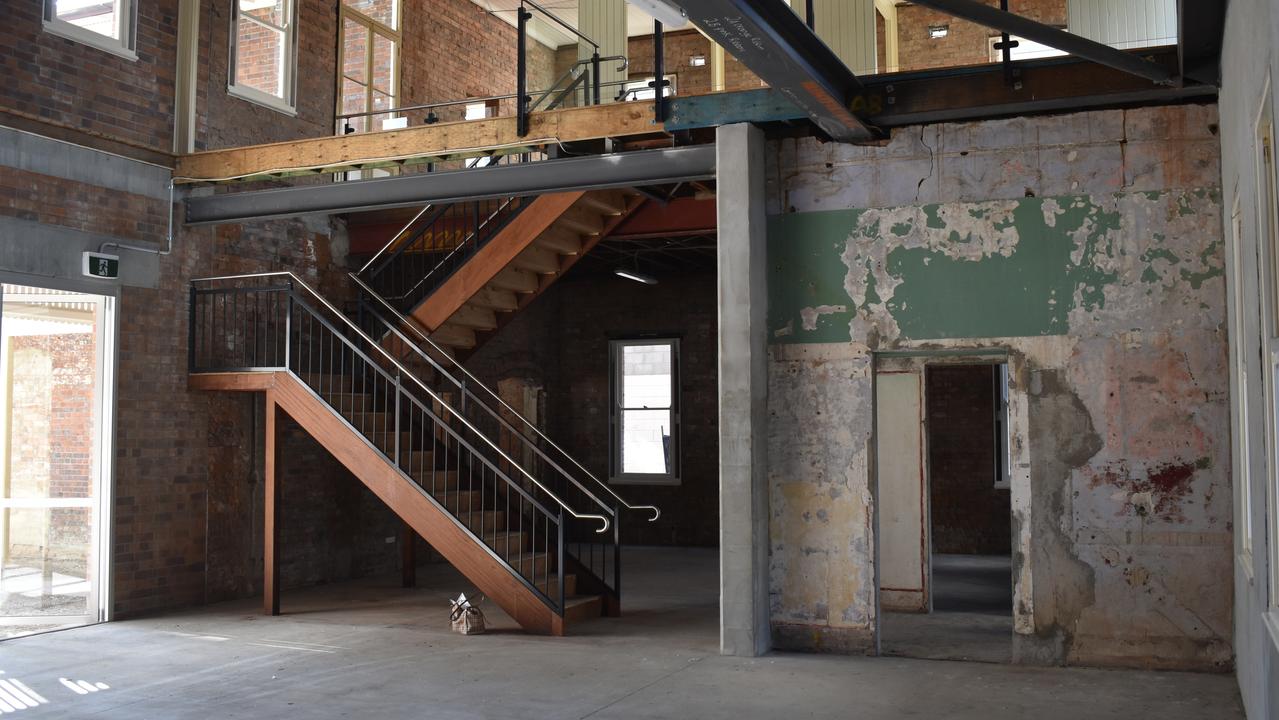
[(426, 143)]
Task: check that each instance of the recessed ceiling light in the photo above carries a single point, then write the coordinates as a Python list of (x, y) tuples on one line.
[(636, 276)]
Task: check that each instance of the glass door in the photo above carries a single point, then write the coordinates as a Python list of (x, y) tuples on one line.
[(52, 505)]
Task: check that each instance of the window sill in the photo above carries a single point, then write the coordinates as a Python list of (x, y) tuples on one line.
[(257, 97), (644, 480), (66, 30)]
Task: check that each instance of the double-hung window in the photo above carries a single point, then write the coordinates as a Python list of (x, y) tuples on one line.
[(106, 24), (644, 418), (264, 53)]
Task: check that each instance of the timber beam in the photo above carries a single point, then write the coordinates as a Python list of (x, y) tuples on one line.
[(426, 143)]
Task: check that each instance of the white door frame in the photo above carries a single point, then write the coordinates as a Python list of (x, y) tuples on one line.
[(106, 360)]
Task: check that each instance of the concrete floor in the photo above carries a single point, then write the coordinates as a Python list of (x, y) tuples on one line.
[(972, 617), (369, 649)]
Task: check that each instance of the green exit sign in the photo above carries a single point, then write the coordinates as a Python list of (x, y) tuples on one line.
[(99, 265)]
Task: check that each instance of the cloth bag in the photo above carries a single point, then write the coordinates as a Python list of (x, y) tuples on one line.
[(466, 617)]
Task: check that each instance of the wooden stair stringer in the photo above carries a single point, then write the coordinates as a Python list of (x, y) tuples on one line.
[(411, 503), (545, 281), (494, 257)]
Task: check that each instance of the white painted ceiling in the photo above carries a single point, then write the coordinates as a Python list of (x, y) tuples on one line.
[(548, 33)]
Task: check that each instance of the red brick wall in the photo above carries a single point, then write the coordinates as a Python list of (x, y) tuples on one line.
[(454, 49), (52, 444), (966, 43), (78, 86), (689, 80), (560, 343), (969, 516), (224, 120)]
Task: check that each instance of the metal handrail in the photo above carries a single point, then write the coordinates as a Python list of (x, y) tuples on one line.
[(456, 248), (471, 378), (572, 70), (398, 366), (557, 19), (472, 100), (397, 235)]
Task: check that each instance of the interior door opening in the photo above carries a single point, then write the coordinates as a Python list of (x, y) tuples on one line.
[(53, 458), (946, 578)]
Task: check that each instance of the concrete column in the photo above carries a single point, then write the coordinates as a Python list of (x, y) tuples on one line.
[(743, 390), (604, 21)]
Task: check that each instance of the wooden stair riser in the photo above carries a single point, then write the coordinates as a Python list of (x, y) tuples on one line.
[(584, 608), (537, 260)]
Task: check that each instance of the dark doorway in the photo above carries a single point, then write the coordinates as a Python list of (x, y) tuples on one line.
[(969, 521)]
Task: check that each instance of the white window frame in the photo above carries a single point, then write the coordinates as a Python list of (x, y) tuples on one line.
[(289, 62), (1239, 351), (1267, 207), (124, 46), (615, 475)]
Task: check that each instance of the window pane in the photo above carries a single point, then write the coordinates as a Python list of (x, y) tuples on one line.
[(383, 64), (271, 11), (646, 441), (46, 568), (646, 376), (354, 98), (381, 101), (381, 10), (259, 55), (100, 16), (355, 48)]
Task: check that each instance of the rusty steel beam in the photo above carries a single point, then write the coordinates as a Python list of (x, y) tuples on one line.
[(1050, 85), (771, 40), (1052, 37)]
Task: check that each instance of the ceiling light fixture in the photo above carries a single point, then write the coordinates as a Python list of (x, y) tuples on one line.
[(670, 15), (635, 275)]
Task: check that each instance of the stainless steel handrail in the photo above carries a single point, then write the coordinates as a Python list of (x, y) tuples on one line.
[(472, 100), (395, 238), (360, 333), (471, 378)]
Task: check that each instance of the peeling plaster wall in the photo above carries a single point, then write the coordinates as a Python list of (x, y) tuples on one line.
[(1088, 248)]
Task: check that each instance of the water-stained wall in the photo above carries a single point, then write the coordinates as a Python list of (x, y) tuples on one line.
[(1087, 247)]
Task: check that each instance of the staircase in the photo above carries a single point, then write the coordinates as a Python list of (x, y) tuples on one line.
[(526, 523), (463, 270)]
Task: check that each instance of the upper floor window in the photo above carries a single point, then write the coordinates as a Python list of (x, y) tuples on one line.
[(264, 52), (105, 24)]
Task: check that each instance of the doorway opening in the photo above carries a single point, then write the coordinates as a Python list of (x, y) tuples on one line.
[(944, 493), (54, 456)]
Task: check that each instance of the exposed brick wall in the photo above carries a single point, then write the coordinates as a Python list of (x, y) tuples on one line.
[(453, 49), (689, 80), (79, 86), (51, 446), (966, 43), (224, 120), (560, 343), (969, 516), (186, 456)]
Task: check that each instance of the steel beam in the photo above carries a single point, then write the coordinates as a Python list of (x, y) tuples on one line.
[(1052, 37), (774, 43), (1200, 26), (646, 167)]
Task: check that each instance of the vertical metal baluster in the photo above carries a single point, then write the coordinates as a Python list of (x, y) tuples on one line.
[(559, 565)]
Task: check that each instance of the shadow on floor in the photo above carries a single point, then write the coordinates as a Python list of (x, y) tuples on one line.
[(971, 617)]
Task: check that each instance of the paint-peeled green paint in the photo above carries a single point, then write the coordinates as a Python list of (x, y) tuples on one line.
[(1013, 268)]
